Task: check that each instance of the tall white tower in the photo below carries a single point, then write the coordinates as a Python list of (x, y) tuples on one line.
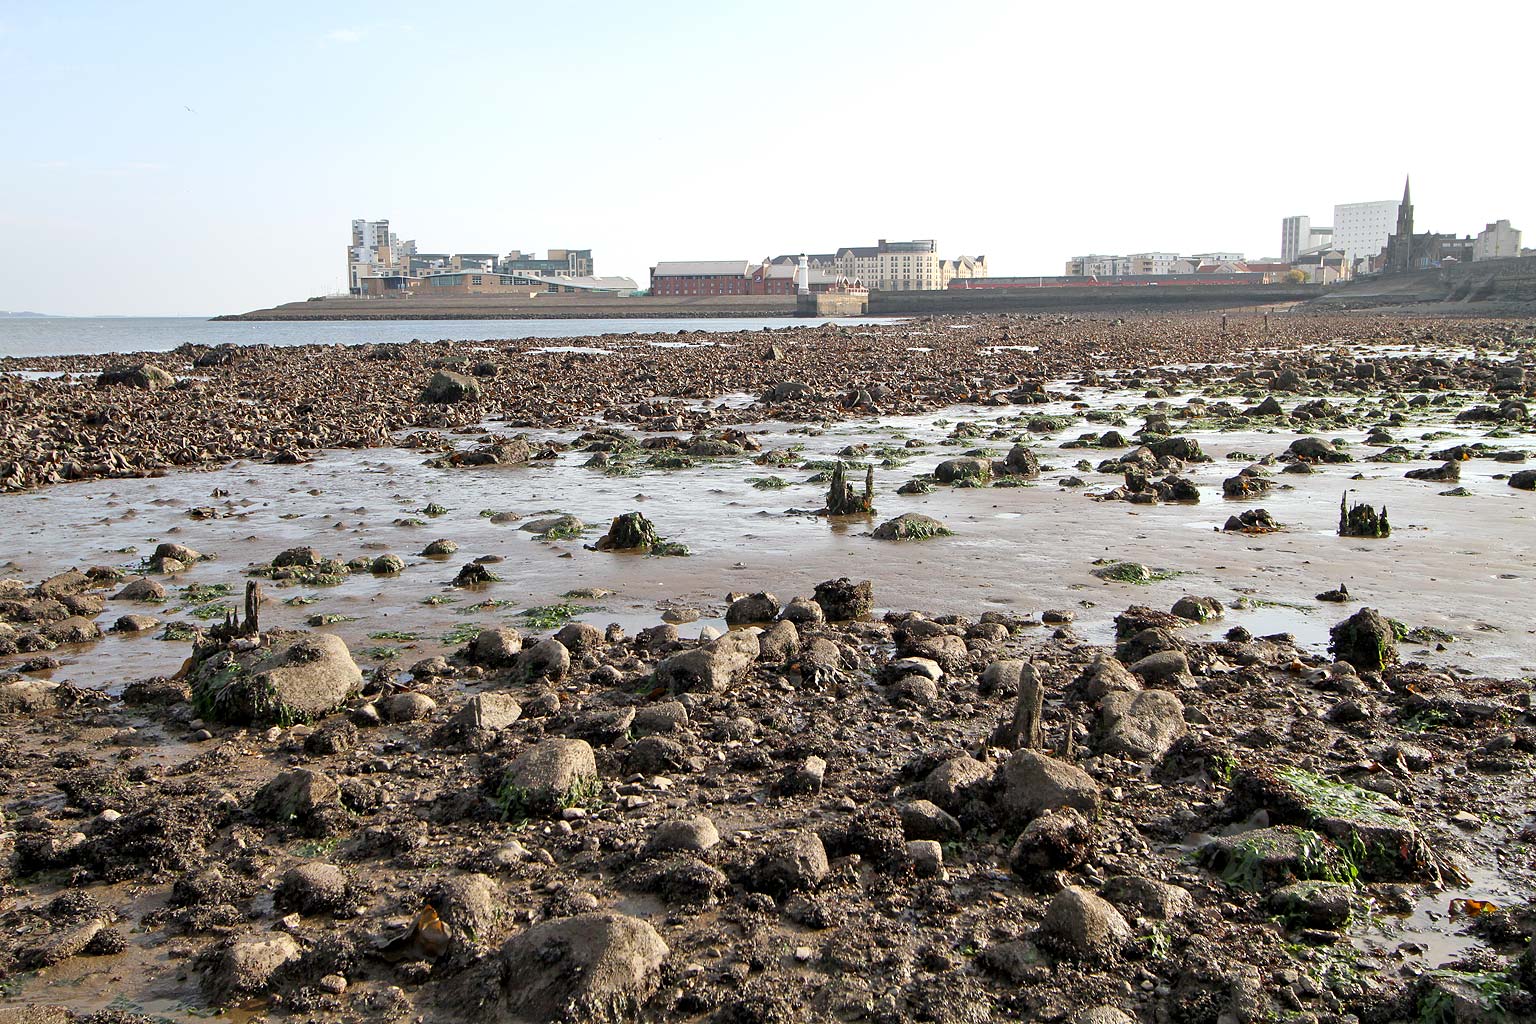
[(803, 275)]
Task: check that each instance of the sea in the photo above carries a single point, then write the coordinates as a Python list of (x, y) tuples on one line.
[(63, 336)]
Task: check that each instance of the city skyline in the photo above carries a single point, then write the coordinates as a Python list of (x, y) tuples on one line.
[(205, 167)]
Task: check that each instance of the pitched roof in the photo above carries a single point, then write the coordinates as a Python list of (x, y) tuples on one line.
[(702, 268)]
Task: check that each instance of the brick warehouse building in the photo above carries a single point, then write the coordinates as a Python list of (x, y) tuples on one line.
[(737, 277), (702, 277)]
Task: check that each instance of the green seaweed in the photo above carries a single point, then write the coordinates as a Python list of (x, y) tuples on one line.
[(553, 616)]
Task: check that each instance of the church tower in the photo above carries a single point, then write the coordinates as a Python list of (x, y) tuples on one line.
[(1402, 243)]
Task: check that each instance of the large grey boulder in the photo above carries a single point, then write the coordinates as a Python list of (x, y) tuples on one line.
[(712, 668), (495, 647), (1106, 674), (592, 967), (759, 607), (548, 659), (300, 676), (964, 468), (1033, 783), (295, 795), (1083, 925), (136, 375), (548, 775), (952, 784), (1142, 724), (795, 862), (246, 967), (447, 387)]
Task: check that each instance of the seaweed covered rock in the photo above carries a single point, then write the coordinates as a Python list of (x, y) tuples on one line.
[(135, 375), (911, 526), (629, 532), (1372, 830), (550, 775), (294, 677), (1361, 520), (1365, 640), (1265, 859), (447, 388), (842, 599)]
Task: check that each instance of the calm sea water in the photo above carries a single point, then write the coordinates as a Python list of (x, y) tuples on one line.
[(96, 335)]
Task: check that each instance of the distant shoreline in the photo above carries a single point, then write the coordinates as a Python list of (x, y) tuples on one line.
[(551, 307)]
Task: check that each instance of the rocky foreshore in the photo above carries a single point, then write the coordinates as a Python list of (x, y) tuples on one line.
[(813, 806), (201, 407)]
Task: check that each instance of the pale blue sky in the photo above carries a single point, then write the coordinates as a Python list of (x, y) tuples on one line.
[(724, 130)]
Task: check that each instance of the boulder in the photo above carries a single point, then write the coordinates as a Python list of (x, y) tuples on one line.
[(804, 612), (965, 468), (955, 782), (548, 774), (301, 676), (911, 526), (923, 819), (546, 660), (1365, 640), (135, 375), (1106, 674), (1315, 449), (300, 556), (1058, 840), (1021, 461), (295, 795), (246, 967), (779, 643), (141, 588), (1165, 669), (580, 637), (794, 862), (697, 834), (712, 668), (1083, 925), (597, 968), (447, 388), (1142, 724), (1034, 783), (842, 600), (1149, 897), (313, 888), (496, 647), (754, 608), (1198, 609)]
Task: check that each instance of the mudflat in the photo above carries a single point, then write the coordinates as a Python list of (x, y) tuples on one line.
[(961, 669)]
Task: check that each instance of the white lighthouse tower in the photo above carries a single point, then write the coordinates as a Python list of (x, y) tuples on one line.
[(803, 275)]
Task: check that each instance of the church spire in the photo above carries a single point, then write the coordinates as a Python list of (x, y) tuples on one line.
[(1400, 245)]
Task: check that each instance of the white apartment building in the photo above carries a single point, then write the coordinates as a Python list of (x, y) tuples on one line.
[(1095, 265), (1497, 241), (374, 252), (1360, 230), (1152, 262), (1297, 235), (900, 266)]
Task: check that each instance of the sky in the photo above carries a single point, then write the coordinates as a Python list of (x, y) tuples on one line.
[(195, 159)]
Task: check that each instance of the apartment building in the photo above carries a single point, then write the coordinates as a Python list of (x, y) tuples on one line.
[(1497, 241), (1361, 230)]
